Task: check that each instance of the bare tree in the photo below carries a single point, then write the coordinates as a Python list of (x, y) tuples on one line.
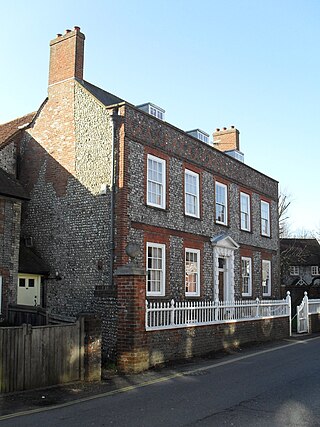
[(303, 233), (293, 252), (284, 201)]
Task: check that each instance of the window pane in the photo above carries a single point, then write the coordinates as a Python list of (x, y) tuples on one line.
[(155, 182), (246, 276), (221, 203), (192, 271), (155, 268), (266, 277), (245, 211), (191, 193), (265, 218)]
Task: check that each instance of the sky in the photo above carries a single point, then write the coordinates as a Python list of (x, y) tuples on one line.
[(210, 64)]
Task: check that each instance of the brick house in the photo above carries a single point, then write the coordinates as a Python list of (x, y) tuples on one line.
[(300, 268), (102, 173)]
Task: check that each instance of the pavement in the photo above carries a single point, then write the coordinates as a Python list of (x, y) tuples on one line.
[(112, 383)]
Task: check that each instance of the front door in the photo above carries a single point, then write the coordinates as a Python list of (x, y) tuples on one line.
[(223, 267), (222, 263), (28, 289)]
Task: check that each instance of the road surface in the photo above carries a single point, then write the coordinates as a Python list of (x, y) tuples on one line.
[(274, 385)]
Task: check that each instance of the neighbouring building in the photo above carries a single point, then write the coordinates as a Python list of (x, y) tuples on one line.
[(101, 173), (300, 268)]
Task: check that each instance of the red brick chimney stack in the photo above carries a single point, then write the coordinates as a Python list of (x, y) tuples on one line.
[(226, 139), (66, 56)]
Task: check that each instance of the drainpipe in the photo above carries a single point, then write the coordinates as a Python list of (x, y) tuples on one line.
[(114, 117)]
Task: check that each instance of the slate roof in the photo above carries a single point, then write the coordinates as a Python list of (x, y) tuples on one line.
[(9, 129), (10, 187), (309, 247), (30, 262), (103, 96)]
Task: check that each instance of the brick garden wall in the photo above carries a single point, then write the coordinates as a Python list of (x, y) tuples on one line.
[(175, 344), (138, 349)]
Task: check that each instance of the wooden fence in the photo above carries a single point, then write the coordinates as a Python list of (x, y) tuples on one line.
[(38, 356)]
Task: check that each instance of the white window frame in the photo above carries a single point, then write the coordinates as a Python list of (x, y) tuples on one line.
[(294, 270), (156, 112), (245, 212), (265, 220), (267, 287), (202, 137), (225, 205), (197, 272), (162, 270), (315, 271), (249, 277), (161, 183), (194, 195)]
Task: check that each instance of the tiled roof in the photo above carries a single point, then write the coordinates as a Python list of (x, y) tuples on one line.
[(10, 187), (8, 129), (103, 96), (30, 262)]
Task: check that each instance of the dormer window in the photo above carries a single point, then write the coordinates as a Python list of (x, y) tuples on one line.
[(156, 112), (152, 109), (199, 134)]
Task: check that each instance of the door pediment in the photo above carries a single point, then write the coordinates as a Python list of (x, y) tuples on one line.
[(224, 241)]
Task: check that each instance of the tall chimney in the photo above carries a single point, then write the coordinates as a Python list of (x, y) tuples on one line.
[(226, 139), (66, 56)]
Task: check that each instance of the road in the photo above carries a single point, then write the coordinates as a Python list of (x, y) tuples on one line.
[(277, 385)]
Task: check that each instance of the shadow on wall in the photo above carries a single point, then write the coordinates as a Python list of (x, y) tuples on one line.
[(185, 343), (70, 223)]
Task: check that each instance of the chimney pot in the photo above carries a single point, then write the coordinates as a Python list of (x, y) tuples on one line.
[(66, 57), (76, 28), (59, 35), (226, 139)]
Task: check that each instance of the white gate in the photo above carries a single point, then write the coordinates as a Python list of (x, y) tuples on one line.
[(303, 315)]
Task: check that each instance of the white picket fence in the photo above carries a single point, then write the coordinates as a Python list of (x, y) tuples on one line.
[(307, 307), (169, 315)]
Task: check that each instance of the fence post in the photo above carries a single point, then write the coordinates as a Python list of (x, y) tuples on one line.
[(257, 309), (172, 313), (216, 310), (288, 300), (306, 304), (90, 347), (132, 350)]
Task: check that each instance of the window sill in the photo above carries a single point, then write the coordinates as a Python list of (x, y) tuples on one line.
[(192, 217), (222, 224), (157, 208)]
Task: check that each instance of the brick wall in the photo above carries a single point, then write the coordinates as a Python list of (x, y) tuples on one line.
[(138, 349), (184, 343), (66, 56), (226, 139)]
